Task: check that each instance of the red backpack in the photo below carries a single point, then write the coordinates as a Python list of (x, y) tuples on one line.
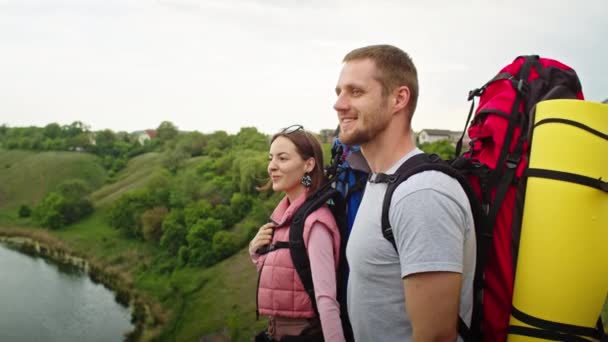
[(495, 163), (493, 175)]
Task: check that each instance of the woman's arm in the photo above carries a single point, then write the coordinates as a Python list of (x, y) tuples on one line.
[(323, 269)]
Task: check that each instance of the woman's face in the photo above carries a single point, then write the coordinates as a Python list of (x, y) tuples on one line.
[(286, 167)]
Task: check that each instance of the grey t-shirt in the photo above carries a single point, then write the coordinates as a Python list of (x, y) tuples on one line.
[(434, 231)]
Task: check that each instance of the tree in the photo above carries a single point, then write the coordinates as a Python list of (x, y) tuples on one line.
[(77, 205), (249, 168), (174, 232), (200, 243), (74, 129), (65, 206), (443, 148), (217, 142), (49, 212), (126, 211), (52, 131), (224, 244), (174, 159), (250, 138), (152, 221), (104, 143), (192, 143), (196, 211), (166, 131), (240, 204), (185, 189)]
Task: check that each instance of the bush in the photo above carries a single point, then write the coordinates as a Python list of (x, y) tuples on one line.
[(224, 244), (49, 212), (25, 211), (57, 210), (125, 213), (174, 231), (152, 221)]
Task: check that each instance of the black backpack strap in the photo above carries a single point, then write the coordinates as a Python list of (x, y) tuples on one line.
[(424, 162), (297, 248), (393, 181), (550, 330)]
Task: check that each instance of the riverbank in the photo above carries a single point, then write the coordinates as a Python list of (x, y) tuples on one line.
[(146, 315)]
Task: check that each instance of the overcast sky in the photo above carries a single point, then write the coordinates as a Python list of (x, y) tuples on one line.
[(211, 65)]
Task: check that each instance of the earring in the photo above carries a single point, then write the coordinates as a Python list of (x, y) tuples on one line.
[(306, 180)]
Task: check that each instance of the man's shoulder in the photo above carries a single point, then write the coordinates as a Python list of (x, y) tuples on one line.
[(430, 180)]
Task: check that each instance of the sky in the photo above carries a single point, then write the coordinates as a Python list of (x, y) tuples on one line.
[(210, 65)]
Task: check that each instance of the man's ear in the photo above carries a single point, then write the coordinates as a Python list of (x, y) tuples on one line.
[(401, 98)]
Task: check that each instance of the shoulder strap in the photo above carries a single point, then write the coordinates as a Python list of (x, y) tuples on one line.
[(424, 162), (416, 164), (405, 171), (297, 248)]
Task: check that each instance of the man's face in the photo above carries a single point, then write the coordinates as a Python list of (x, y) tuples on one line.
[(363, 110)]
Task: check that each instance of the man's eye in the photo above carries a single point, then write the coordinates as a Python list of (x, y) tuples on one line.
[(357, 92)]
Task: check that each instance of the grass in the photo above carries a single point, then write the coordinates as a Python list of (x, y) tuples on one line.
[(138, 171), (219, 299), (25, 176)]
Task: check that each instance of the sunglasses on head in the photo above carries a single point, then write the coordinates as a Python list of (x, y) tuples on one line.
[(292, 128)]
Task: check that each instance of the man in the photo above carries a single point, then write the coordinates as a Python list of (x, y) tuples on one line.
[(417, 293)]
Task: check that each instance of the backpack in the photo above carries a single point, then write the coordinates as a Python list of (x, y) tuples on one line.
[(351, 172), (332, 193), (493, 175)]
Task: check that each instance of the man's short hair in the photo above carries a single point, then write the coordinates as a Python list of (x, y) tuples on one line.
[(395, 67)]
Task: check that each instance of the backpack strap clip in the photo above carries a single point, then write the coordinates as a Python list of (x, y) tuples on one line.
[(522, 87), (513, 160), (383, 178), (475, 92)]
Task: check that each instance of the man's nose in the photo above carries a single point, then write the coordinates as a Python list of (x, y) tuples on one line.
[(341, 104)]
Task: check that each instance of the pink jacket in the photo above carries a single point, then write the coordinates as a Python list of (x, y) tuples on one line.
[(281, 292)]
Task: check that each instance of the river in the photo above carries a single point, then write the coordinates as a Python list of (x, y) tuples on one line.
[(41, 300)]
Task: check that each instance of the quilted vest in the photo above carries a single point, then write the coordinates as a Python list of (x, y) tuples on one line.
[(280, 291)]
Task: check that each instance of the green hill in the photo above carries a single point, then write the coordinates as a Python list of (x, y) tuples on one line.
[(192, 301), (26, 176)]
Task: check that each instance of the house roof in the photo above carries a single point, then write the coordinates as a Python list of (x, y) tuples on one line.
[(442, 132), (150, 132)]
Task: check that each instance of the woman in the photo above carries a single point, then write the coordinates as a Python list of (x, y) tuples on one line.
[(295, 168)]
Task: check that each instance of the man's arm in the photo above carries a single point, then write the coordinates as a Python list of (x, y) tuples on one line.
[(432, 302)]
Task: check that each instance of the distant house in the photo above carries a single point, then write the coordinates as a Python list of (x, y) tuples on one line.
[(432, 135), (327, 135), (143, 136)]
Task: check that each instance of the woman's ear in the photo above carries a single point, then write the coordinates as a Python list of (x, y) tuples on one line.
[(309, 165)]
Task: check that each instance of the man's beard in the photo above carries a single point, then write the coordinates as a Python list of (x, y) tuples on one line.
[(354, 137), (372, 125)]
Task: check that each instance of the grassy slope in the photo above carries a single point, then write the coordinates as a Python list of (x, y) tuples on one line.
[(25, 177), (137, 173), (200, 301)]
